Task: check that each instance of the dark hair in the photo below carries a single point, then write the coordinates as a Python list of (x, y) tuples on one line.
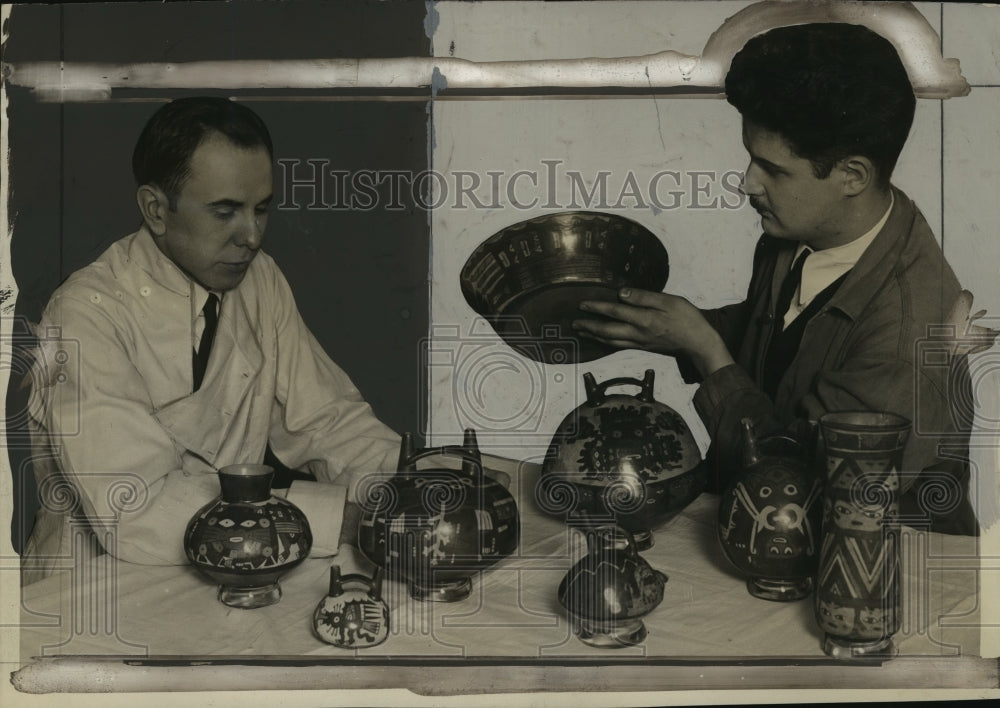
[(830, 89), (162, 155)]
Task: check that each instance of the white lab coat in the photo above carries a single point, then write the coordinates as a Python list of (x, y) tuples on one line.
[(132, 451)]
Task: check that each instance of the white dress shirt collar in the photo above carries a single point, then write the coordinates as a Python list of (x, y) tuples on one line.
[(199, 296), (824, 267)]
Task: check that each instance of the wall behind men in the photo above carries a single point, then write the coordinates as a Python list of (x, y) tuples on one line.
[(359, 276)]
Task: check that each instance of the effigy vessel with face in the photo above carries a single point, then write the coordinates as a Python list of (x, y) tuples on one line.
[(769, 518)]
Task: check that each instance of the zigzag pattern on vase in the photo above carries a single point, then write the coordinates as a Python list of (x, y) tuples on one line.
[(858, 567)]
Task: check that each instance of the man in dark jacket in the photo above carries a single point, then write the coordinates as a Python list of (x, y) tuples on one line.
[(847, 278)]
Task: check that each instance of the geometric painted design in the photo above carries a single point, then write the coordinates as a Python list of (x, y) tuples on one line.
[(622, 435), (857, 588), (610, 584), (856, 567), (633, 433), (435, 539), (247, 536), (769, 520), (352, 620), (621, 458), (848, 472)]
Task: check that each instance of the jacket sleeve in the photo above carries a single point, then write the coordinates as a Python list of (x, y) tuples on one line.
[(128, 477), (877, 373), (320, 420), (730, 323), (722, 401)]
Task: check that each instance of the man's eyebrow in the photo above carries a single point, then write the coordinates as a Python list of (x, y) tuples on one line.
[(767, 164), (236, 204), (226, 203)]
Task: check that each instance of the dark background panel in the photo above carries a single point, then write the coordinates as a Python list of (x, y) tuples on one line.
[(239, 29), (360, 276)]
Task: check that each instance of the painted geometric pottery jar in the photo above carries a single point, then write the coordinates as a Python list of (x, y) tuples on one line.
[(436, 528), (247, 538), (610, 589), (770, 516), (353, 615), (621, 459), (857, 584)]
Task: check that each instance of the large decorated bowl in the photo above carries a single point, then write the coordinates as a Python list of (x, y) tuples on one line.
[(528, 279), (621, 459)]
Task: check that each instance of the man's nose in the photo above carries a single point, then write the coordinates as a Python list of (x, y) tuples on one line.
[(251, 232), (750, 184)]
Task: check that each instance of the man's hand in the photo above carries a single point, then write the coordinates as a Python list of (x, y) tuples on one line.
[(656, 322)]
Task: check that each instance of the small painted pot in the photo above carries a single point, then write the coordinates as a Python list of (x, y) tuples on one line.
[(353, 615), (247, 538), (610, 589)]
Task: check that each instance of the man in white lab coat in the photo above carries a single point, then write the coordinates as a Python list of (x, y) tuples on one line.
[(179, 351)]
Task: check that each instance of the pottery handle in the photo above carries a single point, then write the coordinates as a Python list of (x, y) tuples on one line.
[(590, 386), (471, 446), (647, 386), (409, 465), (630, 546), (405, 452), (596, 391), (818, 446), (335, 587), (751, 454), (608, 536)]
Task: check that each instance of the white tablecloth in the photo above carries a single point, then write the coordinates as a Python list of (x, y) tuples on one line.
[(108, 607)]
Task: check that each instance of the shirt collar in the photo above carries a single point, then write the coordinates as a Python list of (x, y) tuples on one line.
[(199, 296), (824, 267)]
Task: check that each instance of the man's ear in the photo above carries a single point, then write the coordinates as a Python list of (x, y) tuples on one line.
[(153, 204), (858, 174)]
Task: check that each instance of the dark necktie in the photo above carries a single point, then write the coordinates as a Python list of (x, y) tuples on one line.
[(788, 288), (200, 358)]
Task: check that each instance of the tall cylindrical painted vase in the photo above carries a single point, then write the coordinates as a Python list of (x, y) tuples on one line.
[(857, 586)]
